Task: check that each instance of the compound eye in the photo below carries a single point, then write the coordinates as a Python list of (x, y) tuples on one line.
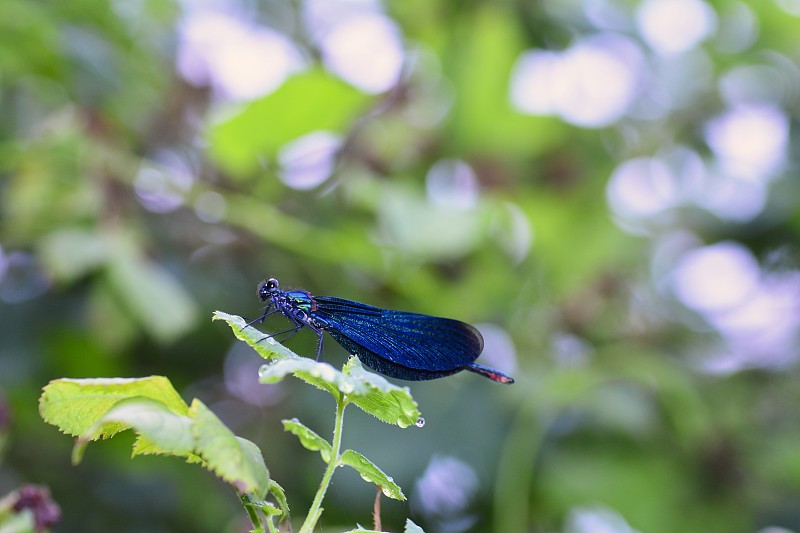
[(262, 292), (272, 284)]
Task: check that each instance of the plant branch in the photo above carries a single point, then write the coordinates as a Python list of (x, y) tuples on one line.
[(376, 510), (335, 460), (258, 527)]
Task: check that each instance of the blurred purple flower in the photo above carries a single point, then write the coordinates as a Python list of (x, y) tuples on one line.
[(444, 494), (37, 498)]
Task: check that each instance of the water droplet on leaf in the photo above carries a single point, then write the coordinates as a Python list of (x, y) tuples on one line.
[(420, 422), (265, 368)]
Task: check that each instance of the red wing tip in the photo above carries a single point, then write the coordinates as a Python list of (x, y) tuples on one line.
[(491, 373)]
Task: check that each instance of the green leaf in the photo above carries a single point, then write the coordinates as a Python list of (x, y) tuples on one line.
[(95, 408), (311, 101), (75, 405), (381, 399), (148, 291), (160, 430), (23, 521), (411, 527), (280, 496), (70, 253), (371, 392), (269, 509), (108, 321), (321, 375), (236, 460), (308, 438), (372, 474), (267, 348)]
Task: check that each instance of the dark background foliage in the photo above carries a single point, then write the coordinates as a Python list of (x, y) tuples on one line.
[(607, 188)]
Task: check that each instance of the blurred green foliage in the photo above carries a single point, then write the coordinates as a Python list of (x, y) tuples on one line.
[(127, 192)]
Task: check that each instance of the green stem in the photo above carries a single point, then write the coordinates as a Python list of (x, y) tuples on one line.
[(335, 460), (258, 527), (271, 525)]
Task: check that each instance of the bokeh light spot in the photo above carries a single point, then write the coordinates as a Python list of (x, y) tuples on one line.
[(749, 140), (675, 26), (366, 50), (499, 351), (308, 161), (452, 183), (716, 278), (738, 28), (644, 187), (444, 492), (566, 83), (239, 59), (21, 277), (210, 206)]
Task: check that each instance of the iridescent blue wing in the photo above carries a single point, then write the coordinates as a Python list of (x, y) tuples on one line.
[(432, 345)]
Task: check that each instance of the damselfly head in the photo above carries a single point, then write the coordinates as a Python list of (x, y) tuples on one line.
[(267, 288)]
